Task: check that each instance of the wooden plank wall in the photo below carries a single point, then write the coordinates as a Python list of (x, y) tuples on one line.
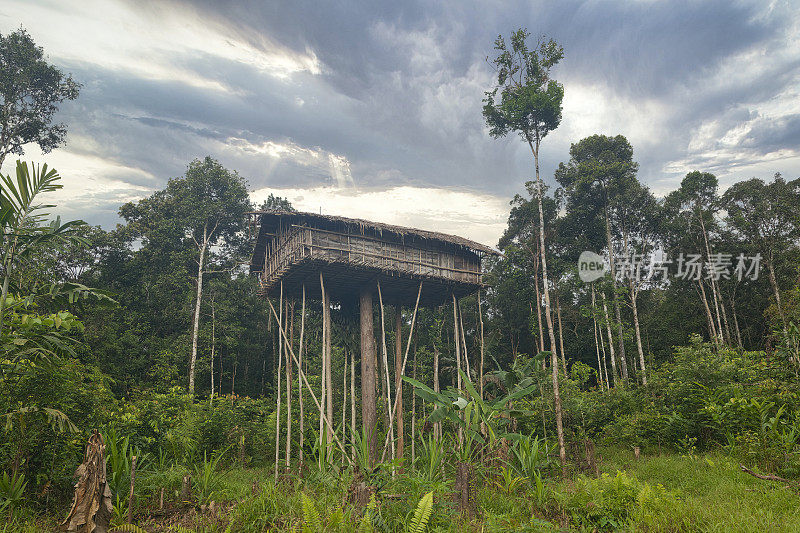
[(296, 243)]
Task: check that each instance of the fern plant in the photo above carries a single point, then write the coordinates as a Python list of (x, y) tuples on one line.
[(128, 528), (312, 522), (419, 522)]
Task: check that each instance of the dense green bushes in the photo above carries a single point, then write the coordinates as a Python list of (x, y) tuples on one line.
[(705, 397)]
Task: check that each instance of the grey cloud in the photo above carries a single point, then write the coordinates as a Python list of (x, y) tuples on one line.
[(401, 86)]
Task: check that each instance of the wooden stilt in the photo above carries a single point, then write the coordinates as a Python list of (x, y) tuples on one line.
[(344, 399), (437, 427), (305, 381), (405, 360), (369, 415), (414, 413), (290, 321), (464, 341), (326, 316), (353, 404), (480, 320), (280, 363), (385, 357), (457, 344), (398, 380), (323, 373), (299, 379)]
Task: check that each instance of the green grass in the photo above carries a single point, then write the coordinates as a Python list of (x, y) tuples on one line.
[(675, 493), (715, 495)]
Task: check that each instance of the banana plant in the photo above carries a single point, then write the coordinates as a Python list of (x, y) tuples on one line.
[(482, 421)]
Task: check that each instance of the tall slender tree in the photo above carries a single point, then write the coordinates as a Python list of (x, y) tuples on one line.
[(530, 105)]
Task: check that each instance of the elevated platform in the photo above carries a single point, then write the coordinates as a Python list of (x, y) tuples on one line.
[(294, 248)]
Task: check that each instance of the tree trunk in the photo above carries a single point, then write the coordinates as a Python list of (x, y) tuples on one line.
[(736, 321), (714, 293), (398, 379), (213, 349), (623, 361), (638, 338), (596, 345), (368, 376), (538, 302), (712, 329), (773, 281), (4, 294), (549, 316), (561, 336), (196, 321), (634, 306), (614, 373)]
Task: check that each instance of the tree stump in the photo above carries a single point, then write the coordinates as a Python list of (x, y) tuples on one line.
[(591, 460), (360, 492), (91, 504), (186, 489), (465, 491)]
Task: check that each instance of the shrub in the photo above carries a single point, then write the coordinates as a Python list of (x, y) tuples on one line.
[(611, 503)]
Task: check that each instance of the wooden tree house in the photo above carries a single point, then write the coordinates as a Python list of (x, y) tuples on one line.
[(350, 261)]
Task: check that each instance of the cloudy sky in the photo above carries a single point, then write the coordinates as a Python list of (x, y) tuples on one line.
[(372, 109)]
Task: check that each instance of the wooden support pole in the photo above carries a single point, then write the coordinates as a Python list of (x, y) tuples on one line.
[(414, 412), (437, 427), (323, 374), (299, 373), (398, 380), (353, 404), (405, 360), (480, 321), (464, 341), (290, 321), (385, 357), (369, 415), (457, 344), (344, 399), (480, 369), (280, 363), (305, 381), (328, 366)]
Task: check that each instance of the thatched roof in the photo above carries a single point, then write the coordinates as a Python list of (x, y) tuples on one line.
[(270, 221)]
